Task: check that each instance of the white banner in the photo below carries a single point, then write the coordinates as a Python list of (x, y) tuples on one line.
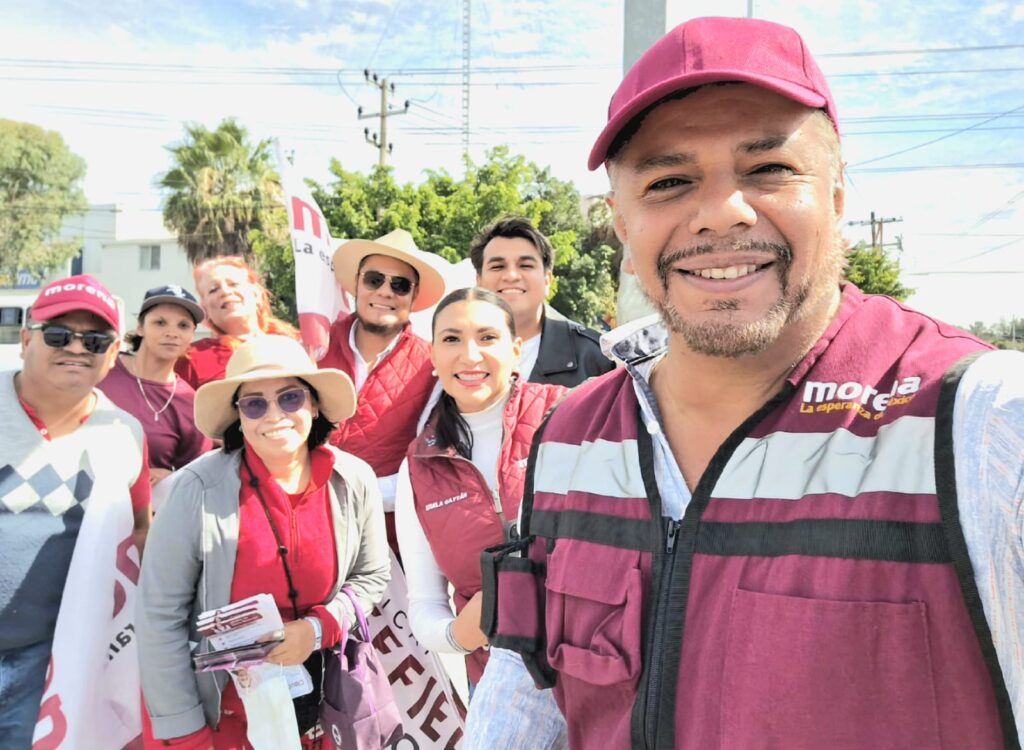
[(93, 698), (316, 294), (432, 715)]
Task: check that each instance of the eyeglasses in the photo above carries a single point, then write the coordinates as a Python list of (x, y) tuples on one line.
[(255, 407), (95, 342), (400, 285)]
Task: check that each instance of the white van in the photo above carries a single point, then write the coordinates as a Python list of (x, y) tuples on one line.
[(14, 307)]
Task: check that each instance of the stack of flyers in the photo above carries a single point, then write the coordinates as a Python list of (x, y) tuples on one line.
[(233, 631), (238, 634)]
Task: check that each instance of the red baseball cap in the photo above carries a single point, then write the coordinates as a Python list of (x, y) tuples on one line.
[(710, 50), (82, 292)]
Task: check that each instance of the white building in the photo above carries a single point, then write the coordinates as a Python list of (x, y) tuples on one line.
[(129, 251)]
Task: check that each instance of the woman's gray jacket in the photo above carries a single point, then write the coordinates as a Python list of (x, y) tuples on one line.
[(188, 567)]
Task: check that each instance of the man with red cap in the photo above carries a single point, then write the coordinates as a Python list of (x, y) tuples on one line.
[(74, 510), (793, 518)]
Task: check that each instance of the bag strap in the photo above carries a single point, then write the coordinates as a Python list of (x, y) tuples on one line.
[(282, 550), (364, 626)]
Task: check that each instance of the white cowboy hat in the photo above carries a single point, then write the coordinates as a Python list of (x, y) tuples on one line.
[(399, 245), (263, 358)]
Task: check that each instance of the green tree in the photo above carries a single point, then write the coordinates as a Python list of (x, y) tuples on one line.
[(443, 214), (221, 188), (39, 185), (874, 272), (1006, 334)]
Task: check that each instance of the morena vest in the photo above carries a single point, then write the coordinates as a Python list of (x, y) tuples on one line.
[(390, 401), (457, 510), (817, 592)]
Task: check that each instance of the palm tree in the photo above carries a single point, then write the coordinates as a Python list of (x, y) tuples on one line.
[(220, 187)]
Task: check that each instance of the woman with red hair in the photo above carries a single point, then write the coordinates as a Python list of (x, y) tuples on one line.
[(237, 308)]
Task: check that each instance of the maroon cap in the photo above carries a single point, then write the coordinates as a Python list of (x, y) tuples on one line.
[(708, 50), (76, 293)]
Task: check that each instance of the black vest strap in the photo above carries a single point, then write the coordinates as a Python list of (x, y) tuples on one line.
[(945, 483)]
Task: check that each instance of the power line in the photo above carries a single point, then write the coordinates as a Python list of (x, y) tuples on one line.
[(384, 32), (993, 214), (941, 138), (936, 167), (924, 51)]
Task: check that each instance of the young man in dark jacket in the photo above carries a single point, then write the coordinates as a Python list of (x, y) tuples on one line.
[(514, 260)]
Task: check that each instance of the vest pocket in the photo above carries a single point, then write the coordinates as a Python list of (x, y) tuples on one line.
[(593, 612), (814, 673)]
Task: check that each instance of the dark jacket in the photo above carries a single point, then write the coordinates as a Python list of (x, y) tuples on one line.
[(569, 352)]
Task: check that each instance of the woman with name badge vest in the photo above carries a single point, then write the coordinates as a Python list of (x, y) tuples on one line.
[(459, 490), (277, 511)]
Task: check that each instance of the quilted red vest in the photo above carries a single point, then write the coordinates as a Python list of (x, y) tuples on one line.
[(457, 510), (390, 402)]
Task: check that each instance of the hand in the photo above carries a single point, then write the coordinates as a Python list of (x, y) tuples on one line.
[(298, 644), (466, 631), (157, 475)]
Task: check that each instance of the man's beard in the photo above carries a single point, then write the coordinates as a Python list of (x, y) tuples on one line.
[(728, 339), (379, 329)]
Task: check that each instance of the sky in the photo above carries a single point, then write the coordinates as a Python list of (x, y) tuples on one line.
[(929, 95)]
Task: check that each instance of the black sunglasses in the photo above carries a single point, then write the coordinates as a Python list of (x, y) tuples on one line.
[(95, 342), (400, 285), (255, 407)]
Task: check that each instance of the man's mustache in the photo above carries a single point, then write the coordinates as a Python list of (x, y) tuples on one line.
[(782, 253)]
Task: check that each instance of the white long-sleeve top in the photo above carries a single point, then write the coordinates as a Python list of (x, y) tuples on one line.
[(430, 610)]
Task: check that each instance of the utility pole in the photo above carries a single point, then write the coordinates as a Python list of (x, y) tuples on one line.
[(379, 140), (466, 60), (877, 226), (644, 24)]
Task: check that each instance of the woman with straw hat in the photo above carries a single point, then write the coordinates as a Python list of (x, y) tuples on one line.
[(277, 511)]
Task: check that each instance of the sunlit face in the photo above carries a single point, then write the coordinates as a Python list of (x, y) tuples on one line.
[(166, 330), (70, 370), (229, 298), (381, 310), (512, 268), (278, 433), (729, 200), (474, 353)]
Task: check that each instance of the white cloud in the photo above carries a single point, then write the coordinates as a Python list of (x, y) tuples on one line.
[(994, 9), (1018, 12)]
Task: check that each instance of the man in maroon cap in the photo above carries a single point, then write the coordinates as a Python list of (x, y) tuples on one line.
[(74, 502), (792, 519)]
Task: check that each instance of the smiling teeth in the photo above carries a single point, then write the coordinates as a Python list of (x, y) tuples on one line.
[(472, 378), (730, 272)]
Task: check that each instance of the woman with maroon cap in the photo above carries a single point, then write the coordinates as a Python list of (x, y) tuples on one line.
[(144, 384)]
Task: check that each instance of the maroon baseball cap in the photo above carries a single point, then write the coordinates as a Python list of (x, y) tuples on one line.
[(82, 292), (709, 50)]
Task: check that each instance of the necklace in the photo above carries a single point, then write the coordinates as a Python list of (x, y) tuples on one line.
[(162, 409)]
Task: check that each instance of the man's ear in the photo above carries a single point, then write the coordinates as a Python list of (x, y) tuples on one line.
[(839, 194), (617, 223)]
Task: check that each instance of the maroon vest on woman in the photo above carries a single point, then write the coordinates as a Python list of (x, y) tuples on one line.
[(455, 506)]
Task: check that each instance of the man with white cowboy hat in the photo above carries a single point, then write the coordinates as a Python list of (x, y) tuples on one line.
[(375, 345)]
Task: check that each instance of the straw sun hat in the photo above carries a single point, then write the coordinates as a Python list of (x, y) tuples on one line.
[(265, 358), (399, 245)]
